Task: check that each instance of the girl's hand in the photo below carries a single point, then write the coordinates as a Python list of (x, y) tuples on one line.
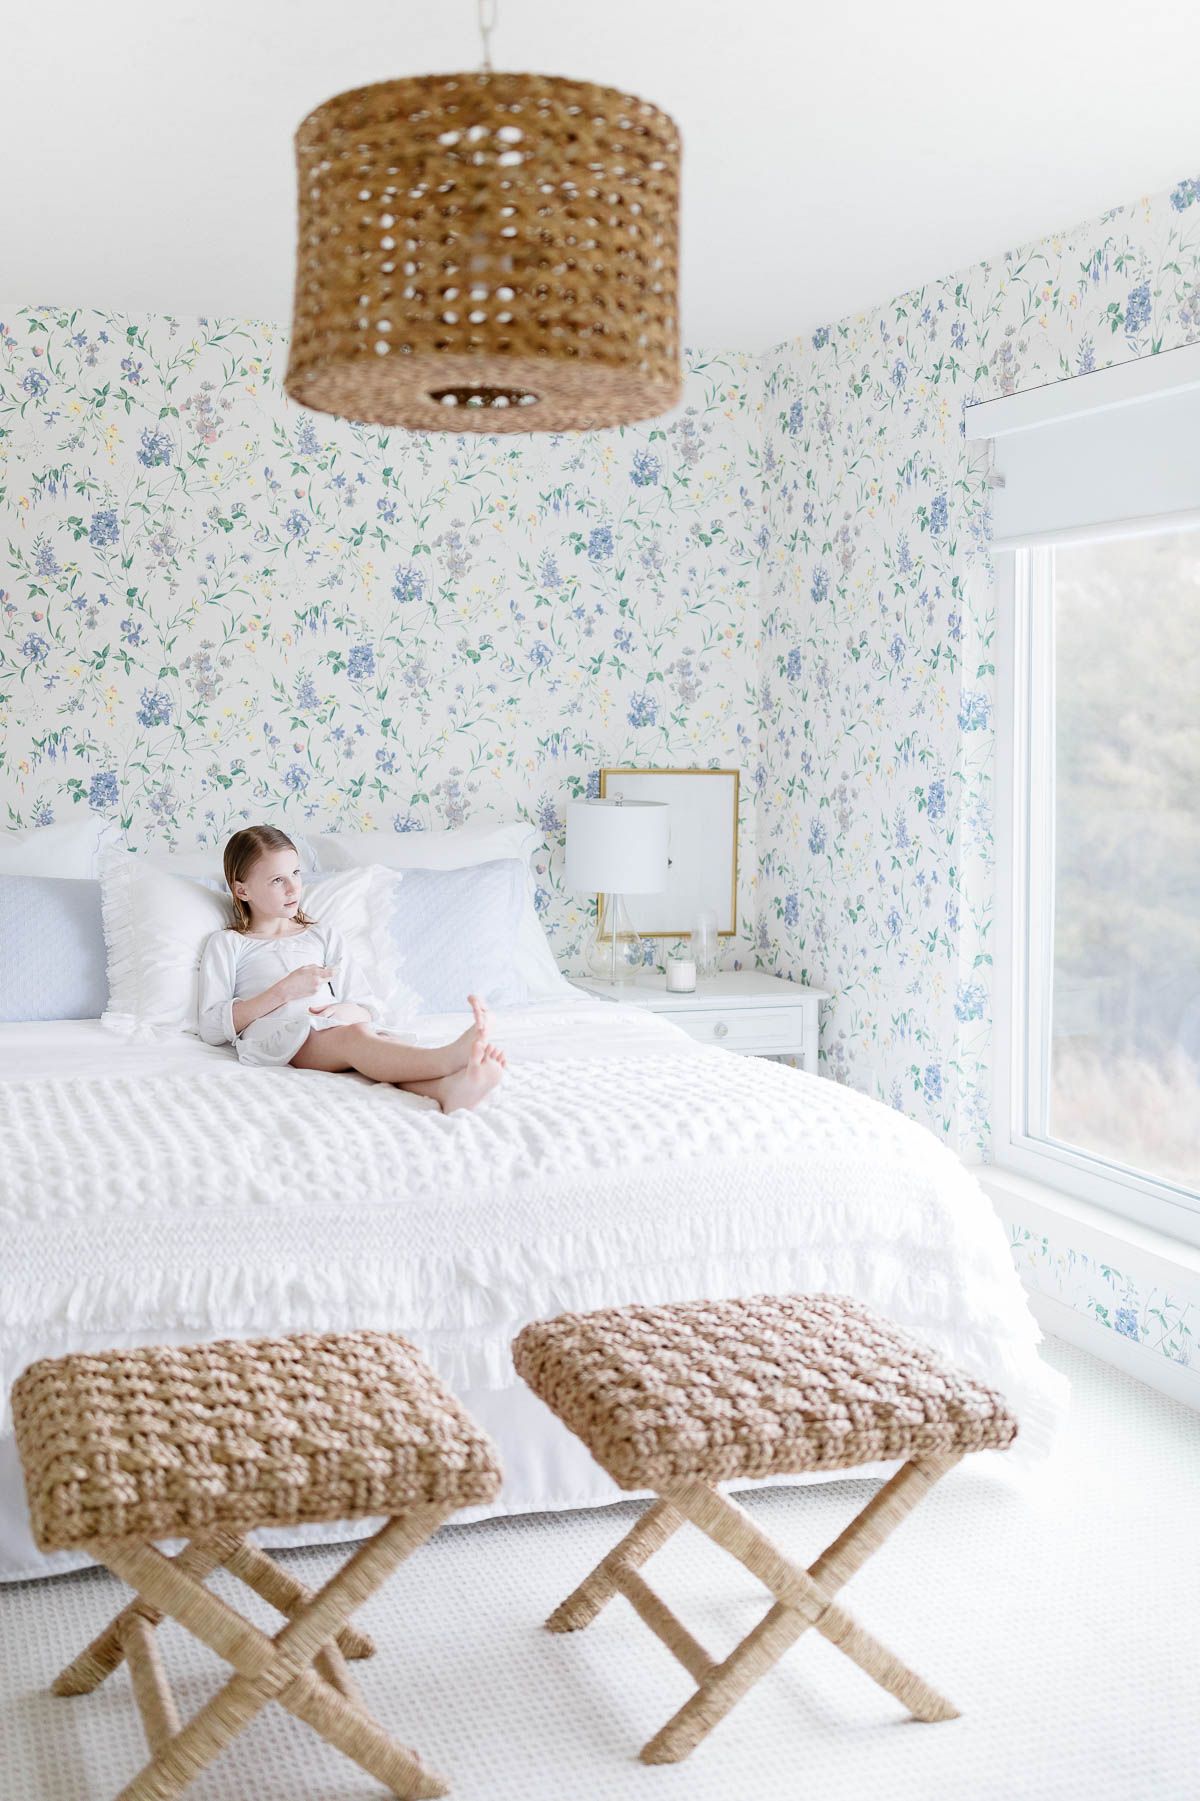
[(344, 1013), (298, 984)]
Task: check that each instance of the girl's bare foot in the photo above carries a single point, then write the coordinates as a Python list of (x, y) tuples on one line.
[(469, 1085), (459, 1049)]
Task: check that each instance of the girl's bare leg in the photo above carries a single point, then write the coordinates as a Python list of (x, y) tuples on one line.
[(383, 1059), (467, 1086), (455, 1075)]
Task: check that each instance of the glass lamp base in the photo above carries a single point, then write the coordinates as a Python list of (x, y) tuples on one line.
[(616, 953)]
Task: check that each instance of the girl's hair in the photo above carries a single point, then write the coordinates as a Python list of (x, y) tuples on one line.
[(241, 854)]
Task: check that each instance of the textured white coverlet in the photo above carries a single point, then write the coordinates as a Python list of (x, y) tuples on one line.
[(619, 1162)]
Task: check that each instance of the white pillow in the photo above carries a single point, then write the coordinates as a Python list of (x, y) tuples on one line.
[(74, 849), (71, 849), (485, 842), (457, 930), (155, 926)]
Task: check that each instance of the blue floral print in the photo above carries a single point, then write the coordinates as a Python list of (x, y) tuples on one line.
[(155, 448), (104, 791), (1137, 309), (155, 708), (646, 469), (409, 584)]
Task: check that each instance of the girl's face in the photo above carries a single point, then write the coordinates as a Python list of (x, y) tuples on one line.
[(272, 888)]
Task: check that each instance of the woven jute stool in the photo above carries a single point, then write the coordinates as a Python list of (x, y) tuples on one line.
[(206, 1442), (679, 1398)]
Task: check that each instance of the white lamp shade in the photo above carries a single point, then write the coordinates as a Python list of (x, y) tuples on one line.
[(617, 847)]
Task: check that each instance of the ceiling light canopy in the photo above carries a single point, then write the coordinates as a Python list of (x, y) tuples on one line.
[(487, 252)]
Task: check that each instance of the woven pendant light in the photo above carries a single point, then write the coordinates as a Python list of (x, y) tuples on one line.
[(487, 252)]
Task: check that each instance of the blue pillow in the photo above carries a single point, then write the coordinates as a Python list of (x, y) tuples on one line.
[(457, 930), (52, 958)]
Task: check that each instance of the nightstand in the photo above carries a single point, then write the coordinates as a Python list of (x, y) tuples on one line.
[(745, 1011)]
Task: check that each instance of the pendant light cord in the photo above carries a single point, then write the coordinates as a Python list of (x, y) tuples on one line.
[(487, 24)]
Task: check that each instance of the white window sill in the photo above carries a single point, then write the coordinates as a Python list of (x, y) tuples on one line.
[(1160, 1258), (1080, 1232)]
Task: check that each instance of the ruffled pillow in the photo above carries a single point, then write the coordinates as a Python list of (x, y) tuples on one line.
[(156, 924)]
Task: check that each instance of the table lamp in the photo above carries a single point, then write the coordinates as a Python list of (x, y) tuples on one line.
[(615, 848)]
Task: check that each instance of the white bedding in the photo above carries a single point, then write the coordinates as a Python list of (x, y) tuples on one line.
[(159, 1191)]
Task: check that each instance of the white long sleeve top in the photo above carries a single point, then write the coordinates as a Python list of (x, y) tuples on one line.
[(236, 966)]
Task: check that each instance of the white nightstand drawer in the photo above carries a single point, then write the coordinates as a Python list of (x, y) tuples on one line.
[(750, 1029), (742, 1010)]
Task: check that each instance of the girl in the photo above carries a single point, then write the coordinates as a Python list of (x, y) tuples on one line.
[(284, 989)]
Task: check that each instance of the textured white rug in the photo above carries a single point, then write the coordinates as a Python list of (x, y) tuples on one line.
[(1058, 1621)]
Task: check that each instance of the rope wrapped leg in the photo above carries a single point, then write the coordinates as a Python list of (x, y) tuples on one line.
[(803, 1598), (649, 1535), (151, 1690), (262, 1574), (191, 1750), (107, 1649), (725, 1686), (302, 1667)]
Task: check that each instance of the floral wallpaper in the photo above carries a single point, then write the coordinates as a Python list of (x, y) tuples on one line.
[(1161, 1320), (215, 604), (875, 697)]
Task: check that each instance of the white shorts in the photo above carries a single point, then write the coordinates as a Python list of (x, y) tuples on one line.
[(277, 1036)]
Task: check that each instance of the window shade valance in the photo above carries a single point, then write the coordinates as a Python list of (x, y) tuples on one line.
[(1094, 455)]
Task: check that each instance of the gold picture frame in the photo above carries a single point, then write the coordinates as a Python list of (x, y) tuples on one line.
[(706, 821)]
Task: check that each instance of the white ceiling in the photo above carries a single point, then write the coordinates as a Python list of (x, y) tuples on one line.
[(834, 153)]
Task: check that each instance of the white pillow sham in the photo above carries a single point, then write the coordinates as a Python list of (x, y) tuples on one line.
[(156, 923), (484, 842), (72, 849), (457, 931), (487, 841)]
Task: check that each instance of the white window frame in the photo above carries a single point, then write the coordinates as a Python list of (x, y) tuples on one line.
[(1024, 757)]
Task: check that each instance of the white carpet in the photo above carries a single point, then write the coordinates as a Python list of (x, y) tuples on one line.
[(1058, 1621)]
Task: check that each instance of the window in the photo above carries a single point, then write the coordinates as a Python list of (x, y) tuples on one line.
[(1096, 516), (1101, 1085)]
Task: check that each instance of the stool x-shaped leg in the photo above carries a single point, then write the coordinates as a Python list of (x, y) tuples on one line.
[(302, 1667), (803, 1598)]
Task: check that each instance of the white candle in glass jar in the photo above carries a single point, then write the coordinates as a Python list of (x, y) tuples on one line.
[(681, 975)]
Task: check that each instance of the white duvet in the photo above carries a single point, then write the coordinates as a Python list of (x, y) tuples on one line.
[(164, 1192)]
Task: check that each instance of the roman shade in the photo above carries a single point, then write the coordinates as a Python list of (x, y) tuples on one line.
[(1111, 453)]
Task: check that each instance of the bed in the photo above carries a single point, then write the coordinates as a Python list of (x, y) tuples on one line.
[(161, 1192)]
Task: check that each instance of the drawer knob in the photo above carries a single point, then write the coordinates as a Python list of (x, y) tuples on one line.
[(720, 1030)]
